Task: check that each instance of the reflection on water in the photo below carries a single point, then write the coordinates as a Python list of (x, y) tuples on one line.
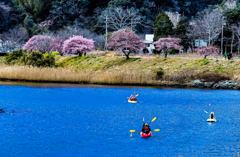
[(68, 121)]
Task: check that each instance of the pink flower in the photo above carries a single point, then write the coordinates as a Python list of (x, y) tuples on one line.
[(208, 51), (125, 39), (78, 44)]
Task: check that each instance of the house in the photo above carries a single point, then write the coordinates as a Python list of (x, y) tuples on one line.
[(149, 40), (200, 42)]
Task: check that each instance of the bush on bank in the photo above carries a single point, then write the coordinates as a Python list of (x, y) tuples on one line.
[(14, 57), (33, 58)]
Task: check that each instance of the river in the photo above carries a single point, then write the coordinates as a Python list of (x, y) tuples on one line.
[(55, 120)]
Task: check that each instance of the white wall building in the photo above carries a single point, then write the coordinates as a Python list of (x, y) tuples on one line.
[(149, 40)]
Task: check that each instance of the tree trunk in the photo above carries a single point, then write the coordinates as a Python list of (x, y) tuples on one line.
[(166, 53), (127, 54), (79, 54), (205, 56)]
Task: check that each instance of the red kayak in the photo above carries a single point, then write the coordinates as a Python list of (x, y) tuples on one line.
[(146, 135)]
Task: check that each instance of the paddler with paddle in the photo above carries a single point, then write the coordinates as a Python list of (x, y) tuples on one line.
[(146, 131), (146, 128), (133, 97)]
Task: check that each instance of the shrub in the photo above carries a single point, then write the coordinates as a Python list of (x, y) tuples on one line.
[(183, 76), (14, 57), (211, 77), (37, 59), (173, 51), (49, 61), (160, 74)]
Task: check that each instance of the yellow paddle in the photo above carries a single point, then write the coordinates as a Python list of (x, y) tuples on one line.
[(148, 124), (140, 130), (153, 120)]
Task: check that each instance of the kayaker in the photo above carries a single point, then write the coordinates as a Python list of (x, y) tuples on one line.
[(133, 98), (212, 116), (146, 128)]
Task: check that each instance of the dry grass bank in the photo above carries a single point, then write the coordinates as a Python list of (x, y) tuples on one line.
[(67, 75), (149, 70)]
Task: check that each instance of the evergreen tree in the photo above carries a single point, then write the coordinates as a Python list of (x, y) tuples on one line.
[(181, 32), (33, 7), (162, 27), (66, 12), (233, 16), (182, 26)]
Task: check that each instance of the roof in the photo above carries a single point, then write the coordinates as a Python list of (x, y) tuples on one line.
[(149, 38)]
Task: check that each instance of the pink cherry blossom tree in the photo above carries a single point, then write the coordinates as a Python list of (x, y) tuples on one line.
[(57, 45), (168, 43), (126, 41), (39, 42), (78, 45), (208, 51)]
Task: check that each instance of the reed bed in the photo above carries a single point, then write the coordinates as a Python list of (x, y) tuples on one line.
[(35, 74), (139, 70)]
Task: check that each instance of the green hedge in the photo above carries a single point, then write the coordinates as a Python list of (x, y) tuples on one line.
[(34, 58)]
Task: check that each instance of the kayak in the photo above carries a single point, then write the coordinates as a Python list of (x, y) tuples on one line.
[(212, 120), (145, 134), (132, 101)]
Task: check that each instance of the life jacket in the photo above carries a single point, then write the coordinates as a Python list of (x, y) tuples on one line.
[(146, 129), (134, 99)]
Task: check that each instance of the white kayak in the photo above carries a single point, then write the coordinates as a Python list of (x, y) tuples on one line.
[(212, 120)]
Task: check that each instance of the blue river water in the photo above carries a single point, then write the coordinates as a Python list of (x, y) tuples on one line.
[(46, 121)]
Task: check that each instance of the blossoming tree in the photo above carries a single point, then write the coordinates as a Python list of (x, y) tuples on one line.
[(208, 51), (126, 41), (57, 45), (168, 43), (78, 45), (39, 42)]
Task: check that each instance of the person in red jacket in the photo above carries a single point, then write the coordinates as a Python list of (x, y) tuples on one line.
[(133, 98), (146, 128)]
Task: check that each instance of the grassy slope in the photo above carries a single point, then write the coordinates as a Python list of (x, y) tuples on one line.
[(149, 64)]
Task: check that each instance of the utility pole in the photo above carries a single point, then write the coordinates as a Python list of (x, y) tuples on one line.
[(106, 31), (209, 37), (131, 24), (222, 38)]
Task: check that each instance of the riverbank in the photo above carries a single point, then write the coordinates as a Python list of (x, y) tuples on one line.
[(178, 71)]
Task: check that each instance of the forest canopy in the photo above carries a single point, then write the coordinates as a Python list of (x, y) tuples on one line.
[(57, 14)]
